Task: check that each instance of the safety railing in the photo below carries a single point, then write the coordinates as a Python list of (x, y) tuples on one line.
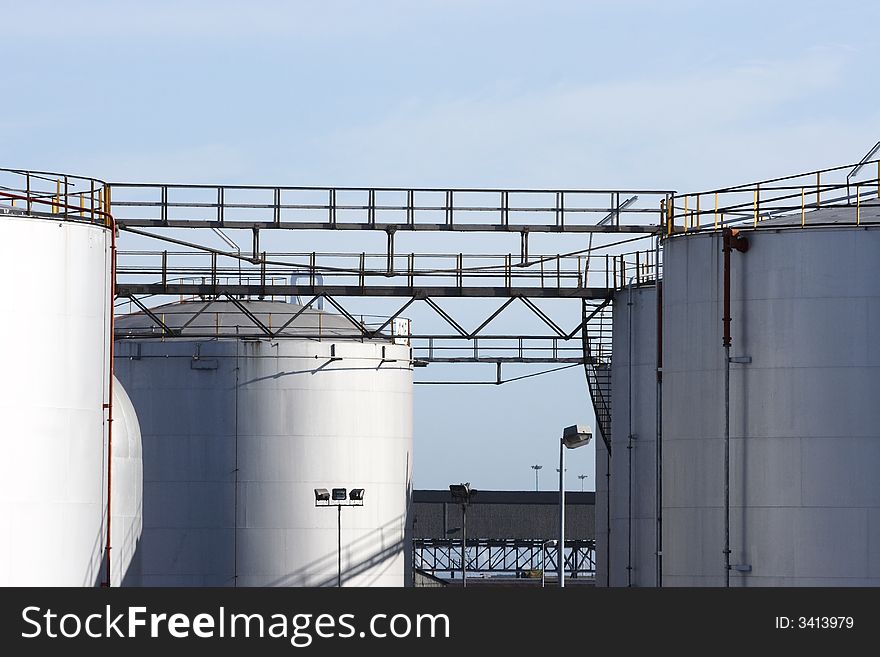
[(854, 186), (246, 206), (56, 195), (313, 269)]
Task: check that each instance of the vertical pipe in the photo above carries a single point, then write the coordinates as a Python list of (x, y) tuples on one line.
[(339, 546), (235, 477), (725, 319), (607, 518), (726, 248), (629, 440), (463, 544), (561, 548), (730, 242), (658, 464), (112, 225), (727, 465)]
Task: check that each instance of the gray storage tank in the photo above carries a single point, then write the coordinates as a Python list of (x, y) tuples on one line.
[(629, 549), (804, 412)]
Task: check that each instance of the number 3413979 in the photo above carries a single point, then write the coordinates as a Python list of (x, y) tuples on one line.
[(815, 622)]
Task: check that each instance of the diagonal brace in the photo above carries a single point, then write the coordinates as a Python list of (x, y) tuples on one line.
[(247, 313), (445, 316), (543, 317), (149, 313)]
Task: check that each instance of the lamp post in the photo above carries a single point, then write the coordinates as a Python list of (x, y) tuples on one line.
[(572, 438), (551, 543), (582, 477), (536, 468), (463, 493), (339, 497)]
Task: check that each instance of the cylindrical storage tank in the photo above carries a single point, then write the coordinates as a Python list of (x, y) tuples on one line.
[(54, 321), (239, 432), (126, 492), (804, 417), (633, 476)]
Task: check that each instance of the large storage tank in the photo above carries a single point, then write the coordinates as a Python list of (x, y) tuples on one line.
[(631, 553), (238, 432), (126, 494), (804, 416), (54, 321)]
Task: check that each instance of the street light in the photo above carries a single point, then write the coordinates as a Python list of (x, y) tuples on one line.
[(572, 437), (551, 543), (536, 468), (463, 493), (340, 497), (582, 477)]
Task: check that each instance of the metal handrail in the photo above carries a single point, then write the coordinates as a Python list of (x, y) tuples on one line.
[(64, 196), (750, 204)]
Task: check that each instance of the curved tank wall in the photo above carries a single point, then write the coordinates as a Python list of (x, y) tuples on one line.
[(238, 433), (633, 480), (126, 492), (55, 286), (805, 422)]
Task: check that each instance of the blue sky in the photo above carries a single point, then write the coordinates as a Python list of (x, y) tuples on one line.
[(682, 95)]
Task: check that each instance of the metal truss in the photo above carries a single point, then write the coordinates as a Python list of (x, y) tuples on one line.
[(497, 556), (190, 269), (585, 277), (458, 345)]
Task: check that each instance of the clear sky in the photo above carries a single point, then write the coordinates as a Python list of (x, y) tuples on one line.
[(681, 95)]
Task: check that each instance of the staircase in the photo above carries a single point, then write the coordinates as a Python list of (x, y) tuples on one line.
[(596, 334)]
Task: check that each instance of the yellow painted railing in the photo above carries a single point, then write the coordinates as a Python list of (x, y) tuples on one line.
[(793, 196), (66, 196)]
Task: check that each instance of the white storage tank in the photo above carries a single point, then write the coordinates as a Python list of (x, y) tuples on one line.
[(633, 477), (126, 494), (55, 284), (804, 412), (238, 432)]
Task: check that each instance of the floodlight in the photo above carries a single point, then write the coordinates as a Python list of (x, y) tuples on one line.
[(576, 435), (322, 495), (462, 492), (339, 494)]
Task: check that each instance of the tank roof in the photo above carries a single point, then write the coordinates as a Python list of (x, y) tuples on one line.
[(205, 318)]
